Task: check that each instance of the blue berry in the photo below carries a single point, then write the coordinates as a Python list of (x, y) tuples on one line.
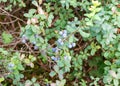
[(73, 44), (24, 37), (60, 41), (36, 48), (36, 36), (54, 58), (65, 57), (65, 31), (11, 65), (55, 49), (34, 42), (70, 46), (61, 32), (23, 40), (64, 35)]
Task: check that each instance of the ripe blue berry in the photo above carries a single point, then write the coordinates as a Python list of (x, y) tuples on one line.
[(60, 42), (70, 46), (55, 49), (54, 58), (23, 40), (36, 48), (11, 65), (34, 42), (61, 32), (73, 44), (65, 31), (36, 36), (24, 37), (64, 35)]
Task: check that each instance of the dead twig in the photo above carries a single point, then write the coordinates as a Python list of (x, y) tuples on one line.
[(8, 14), (9, 22)]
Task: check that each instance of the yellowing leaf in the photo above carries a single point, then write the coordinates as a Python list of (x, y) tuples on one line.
[(96, 3), (2, 79)]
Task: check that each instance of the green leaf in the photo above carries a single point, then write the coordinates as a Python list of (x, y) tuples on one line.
[(119, 47), (61, 83), (107, 79), (33, 79), (50, 18), (28, 15), (117, 54), (52, 73), (84, 34), (36, 84), (56, 68), (41, 39), (28, 83), (3, 51), (71, 38), (107, 62), (60, 64), (60, 74), (117, 62), (93, 52), (21, 76), (20, 67), (7, 38), (2, 79), (3, 0), (33, 59), (32, 11), (106, 54), (116, 82), (27, 61), (35, 3)]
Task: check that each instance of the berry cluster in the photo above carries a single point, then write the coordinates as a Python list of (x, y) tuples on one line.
[(55, 58), (34, 42), (71, 45), (63, 33), (60, 41), (24, 39), (56, 49)]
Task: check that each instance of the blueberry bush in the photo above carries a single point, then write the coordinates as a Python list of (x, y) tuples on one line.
[(59, 43)]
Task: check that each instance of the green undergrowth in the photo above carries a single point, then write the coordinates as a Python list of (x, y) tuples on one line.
[(61, 43)]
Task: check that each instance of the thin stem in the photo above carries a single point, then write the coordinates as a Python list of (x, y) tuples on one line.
[(8, 14)]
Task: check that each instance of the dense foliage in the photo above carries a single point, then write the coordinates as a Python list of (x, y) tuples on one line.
[(60, 42)]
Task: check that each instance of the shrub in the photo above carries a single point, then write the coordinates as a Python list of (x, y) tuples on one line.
[(72, 40)]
